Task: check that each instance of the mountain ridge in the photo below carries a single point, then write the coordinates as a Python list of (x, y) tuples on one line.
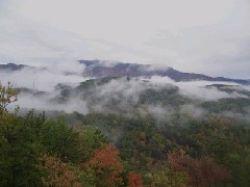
[(101, 69)]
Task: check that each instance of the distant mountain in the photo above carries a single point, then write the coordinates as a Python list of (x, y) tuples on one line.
[(99, 69), (11, 67)]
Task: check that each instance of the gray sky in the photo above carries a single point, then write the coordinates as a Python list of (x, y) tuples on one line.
[(204, 36)]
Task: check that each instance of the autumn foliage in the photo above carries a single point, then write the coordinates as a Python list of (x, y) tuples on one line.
[(202, 172), (58, 174), (110, 150), (107, 166), (134, 180)]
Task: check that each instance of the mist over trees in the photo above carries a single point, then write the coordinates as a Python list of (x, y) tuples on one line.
[(116, 149)]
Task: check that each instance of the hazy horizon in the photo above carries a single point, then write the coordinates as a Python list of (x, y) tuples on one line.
[(209, 37)]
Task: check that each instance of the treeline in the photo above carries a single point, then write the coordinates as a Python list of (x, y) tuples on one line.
[(36, 151)]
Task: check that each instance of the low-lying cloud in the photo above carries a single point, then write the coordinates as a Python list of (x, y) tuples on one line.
[(45, 78), (55, 87)]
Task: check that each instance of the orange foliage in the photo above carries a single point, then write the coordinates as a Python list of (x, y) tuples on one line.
[(107, 166), (134, 180), (201, 172), (58, 173)]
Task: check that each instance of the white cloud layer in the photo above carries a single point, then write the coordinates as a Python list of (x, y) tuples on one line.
[(46, 77)]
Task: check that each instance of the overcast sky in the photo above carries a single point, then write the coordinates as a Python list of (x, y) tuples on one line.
[(203, 36)]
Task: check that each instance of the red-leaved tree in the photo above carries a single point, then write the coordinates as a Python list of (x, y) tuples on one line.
[(134, 180), (202, 172), (106, 166)]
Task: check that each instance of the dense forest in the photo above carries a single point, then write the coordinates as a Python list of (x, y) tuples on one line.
[(115, 149)]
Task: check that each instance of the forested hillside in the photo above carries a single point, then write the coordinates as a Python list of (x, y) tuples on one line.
[(112, 149)]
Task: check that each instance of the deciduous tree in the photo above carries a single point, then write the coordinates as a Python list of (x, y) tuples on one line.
[(7, 95), (58, 174), (202, 172), (134, 180), (106, 166)]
